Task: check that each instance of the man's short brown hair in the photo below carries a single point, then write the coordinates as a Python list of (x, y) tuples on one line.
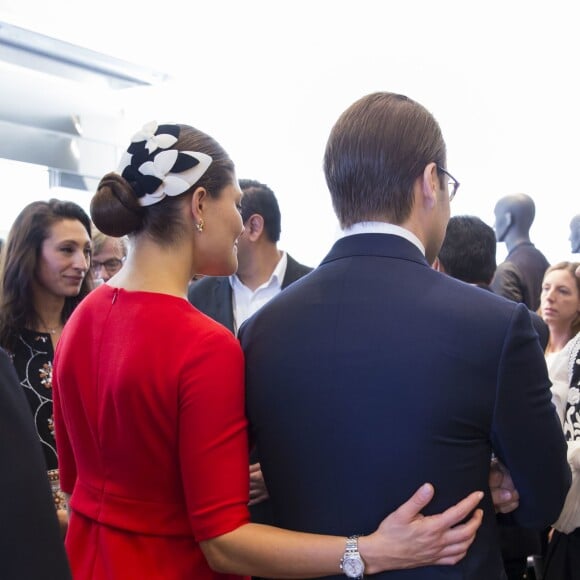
[(375, 152)]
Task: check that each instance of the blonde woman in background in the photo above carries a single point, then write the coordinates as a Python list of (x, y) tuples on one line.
[(563, 557), (560, 306)]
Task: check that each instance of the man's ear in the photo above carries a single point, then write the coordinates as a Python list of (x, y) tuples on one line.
[(254, 226), (430, 185)]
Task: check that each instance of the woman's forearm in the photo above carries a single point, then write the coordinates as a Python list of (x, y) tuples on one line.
[(405, 539)]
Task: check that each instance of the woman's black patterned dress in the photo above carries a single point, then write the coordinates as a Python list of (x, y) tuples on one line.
[(32, 358)]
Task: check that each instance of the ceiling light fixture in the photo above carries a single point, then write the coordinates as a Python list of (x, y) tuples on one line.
[(52, 56)]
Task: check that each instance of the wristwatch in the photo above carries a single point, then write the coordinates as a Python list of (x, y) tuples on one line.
[(351, 563)]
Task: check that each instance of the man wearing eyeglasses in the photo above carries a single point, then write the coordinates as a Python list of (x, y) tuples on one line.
[(389, 374), (108, 256)]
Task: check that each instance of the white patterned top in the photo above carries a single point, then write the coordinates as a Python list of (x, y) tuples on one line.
[(565, 376)]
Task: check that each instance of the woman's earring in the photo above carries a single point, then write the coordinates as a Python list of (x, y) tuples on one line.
[(199, 226)]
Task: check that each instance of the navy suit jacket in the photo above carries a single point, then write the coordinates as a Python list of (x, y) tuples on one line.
[(389, 374), (213, 295)]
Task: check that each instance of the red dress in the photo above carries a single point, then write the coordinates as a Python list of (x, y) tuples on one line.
[(151, 435)]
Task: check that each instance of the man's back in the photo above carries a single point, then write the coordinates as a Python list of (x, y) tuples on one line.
[(389, 374)]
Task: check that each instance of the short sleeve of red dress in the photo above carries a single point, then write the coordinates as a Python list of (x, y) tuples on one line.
[(213, 443)]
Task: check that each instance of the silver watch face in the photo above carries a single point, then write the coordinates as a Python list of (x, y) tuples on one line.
[(353, 566)]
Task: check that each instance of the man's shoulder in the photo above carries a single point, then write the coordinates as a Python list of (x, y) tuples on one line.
[(206, 288), (475, 296), (294, 270), (507, 281), (541, 329)]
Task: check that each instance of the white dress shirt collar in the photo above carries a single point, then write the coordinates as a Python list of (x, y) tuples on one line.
[(246, 302), (383, 228)]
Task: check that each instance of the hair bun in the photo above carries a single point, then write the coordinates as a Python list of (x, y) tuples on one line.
[(115, 210)]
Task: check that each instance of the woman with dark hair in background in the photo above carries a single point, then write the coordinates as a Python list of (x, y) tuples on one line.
[(149, 399), (44, 276)]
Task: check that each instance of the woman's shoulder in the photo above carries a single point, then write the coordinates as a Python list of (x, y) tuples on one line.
[(171, 314), (171, 319)]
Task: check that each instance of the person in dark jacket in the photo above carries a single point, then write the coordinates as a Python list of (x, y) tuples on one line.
[(30, 538)]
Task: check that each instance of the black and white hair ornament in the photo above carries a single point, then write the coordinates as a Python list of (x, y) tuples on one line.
[(154, 170)]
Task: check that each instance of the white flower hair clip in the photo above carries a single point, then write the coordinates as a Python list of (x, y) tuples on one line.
[(154, 138), (167, 172)]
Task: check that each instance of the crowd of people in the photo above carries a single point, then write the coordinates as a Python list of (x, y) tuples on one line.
[(198, 404)]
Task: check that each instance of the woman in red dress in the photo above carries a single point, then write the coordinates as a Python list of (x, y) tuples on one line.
[(149, 399)]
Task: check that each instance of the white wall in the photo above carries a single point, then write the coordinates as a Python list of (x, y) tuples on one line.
[(268, 79)]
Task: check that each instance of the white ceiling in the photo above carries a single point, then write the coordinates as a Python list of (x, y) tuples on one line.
[(268, 79)]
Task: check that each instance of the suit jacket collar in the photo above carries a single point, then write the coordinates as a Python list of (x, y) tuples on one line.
[(382, 245), (294, 271), (221, 302), (220, 306)]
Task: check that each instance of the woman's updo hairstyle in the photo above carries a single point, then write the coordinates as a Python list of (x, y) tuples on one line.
[(115, 207)]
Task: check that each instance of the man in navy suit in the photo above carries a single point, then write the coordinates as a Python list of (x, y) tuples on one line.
[(376, 373)]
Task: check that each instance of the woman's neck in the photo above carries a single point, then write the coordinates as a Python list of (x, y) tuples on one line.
[(559, 337), (48, 309), (154, 268)]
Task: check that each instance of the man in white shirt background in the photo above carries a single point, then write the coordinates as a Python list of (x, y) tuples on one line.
[(263, 269)]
